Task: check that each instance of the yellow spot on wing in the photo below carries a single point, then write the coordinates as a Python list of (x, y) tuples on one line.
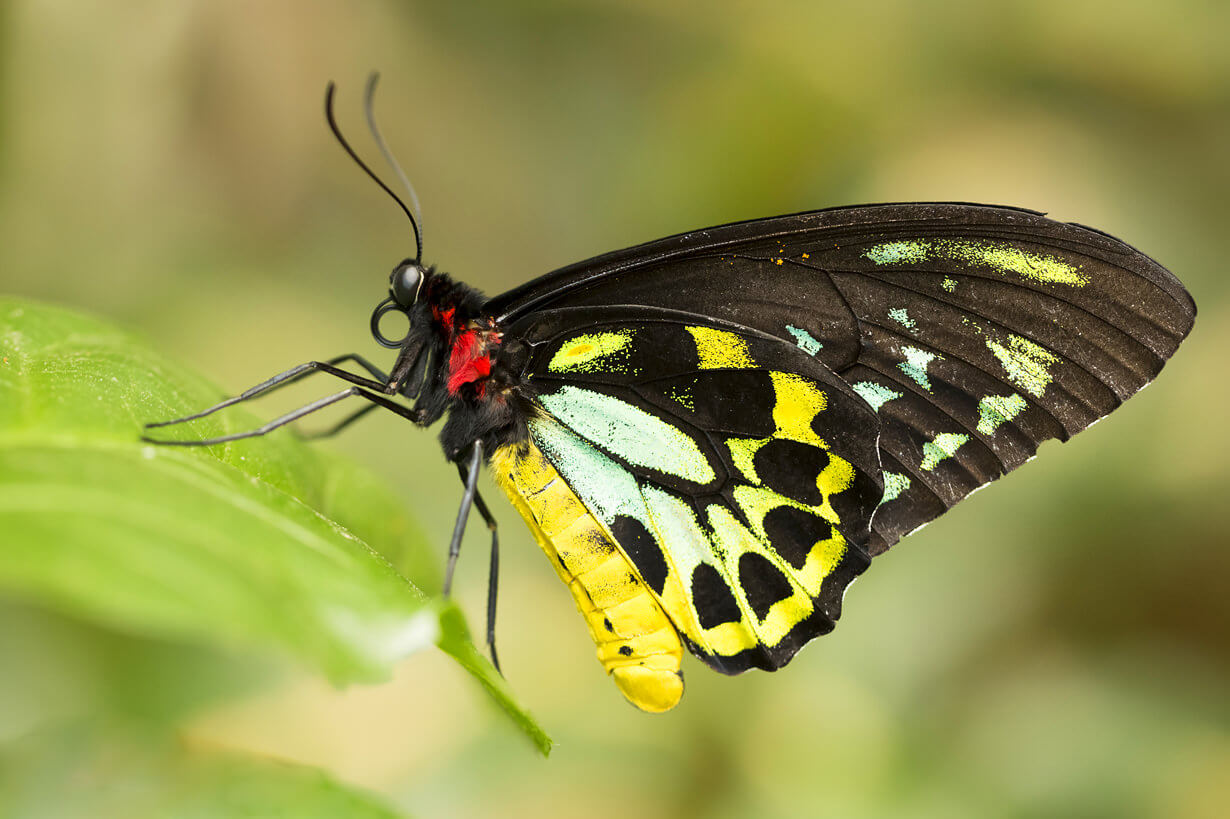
[(720, 349), (1005, 258), (589, 352), (838, 476), (1001, 257), (742, 453), (798, 402), (728, 639), (828, 553)]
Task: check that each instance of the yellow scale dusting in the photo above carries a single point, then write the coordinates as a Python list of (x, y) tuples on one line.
[(587, 352), (719, 349), (620, 611)]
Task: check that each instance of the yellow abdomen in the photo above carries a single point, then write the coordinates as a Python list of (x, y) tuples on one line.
[(637, 643)]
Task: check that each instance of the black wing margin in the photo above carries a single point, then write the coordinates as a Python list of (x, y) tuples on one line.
[(975, 332)]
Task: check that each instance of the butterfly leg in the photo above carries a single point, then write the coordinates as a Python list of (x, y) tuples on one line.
[(329, 432), (493, 576), (294, 415), (467, 500), (291, 376)]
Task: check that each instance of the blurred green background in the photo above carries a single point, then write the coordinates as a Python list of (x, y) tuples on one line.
[(1057, 646)]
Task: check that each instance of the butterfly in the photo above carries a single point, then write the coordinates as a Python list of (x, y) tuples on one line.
[(713, 434)]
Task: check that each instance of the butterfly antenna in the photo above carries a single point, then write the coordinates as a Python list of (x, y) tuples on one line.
[(337, 133), (369, 109)]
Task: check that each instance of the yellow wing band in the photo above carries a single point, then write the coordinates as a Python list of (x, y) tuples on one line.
[(637, 643)]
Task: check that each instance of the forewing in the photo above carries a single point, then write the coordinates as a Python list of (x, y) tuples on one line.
[(975, 332), (736, 472)]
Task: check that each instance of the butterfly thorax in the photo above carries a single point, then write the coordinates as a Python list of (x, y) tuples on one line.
[(470, 374)]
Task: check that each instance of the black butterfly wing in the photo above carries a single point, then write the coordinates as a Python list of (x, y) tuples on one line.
[(975, 332), (734, 470)]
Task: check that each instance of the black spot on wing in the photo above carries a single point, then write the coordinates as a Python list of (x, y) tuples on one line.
[(735, 402), (660, 349), (711, 597), (762, 582), (791, 469), (642, 550), (792, 533)]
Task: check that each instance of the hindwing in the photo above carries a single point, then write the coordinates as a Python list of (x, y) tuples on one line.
[(735, 471)]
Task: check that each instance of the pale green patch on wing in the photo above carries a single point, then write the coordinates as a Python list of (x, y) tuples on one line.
[(731, 539), (683, 540), (944, 446), (1001, 257), (948, 284), (731, 536), (1027, 364), (915, 365), (877, 395), (806, 341), (994, 410), (899, 252), (593, 352), (894, 484), (607, 488), (630, 432), (899, 315)]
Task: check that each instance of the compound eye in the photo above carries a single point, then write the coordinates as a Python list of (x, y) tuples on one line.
[(405, 283)]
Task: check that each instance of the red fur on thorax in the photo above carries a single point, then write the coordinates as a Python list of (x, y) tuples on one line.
[(469, 338), (468, 361), (444, 317)]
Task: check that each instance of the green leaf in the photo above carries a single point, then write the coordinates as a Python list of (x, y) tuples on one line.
[(83, 772), (59, 668), (254, 543), (455, 641)]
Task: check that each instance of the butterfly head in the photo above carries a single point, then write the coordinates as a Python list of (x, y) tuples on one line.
[(405, 289), (406, 283)]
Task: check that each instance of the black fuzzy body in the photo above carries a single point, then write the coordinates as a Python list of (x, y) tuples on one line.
[(492, 409)]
